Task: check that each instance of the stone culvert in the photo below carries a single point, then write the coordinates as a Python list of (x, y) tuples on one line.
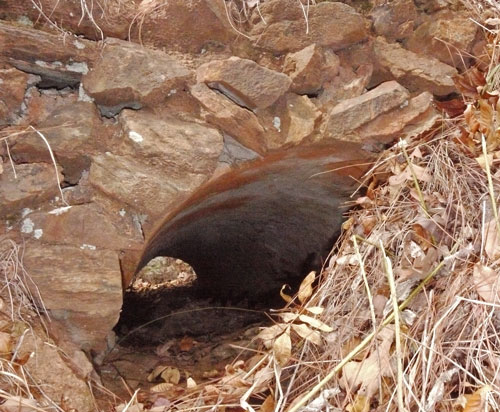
[(136, 130)]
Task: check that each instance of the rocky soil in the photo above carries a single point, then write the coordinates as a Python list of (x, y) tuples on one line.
[(109, 118)]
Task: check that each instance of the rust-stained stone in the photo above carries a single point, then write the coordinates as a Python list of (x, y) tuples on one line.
[(157, 161), (394, 20), (236, 121), (398, 122), (244, 81), (280, 26), (416, 72), (80, 286), (51, 368), (447, 36), (85, 226), (12, 88), (309, 68), (59, 60), (352, 113), (128, 75), (73, 131), (34, 184)]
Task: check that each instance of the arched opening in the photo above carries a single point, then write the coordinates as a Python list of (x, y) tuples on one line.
[(245, 234), (253, 229)]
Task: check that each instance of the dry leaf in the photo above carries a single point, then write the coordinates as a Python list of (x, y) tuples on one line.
[(491, 241), (268, 405), (368, 373), (476, 401), (162, 387), (282, 348), (5, 344), (157, 371), (305, 289), (269, 334), (418, 172), (315, 310), (307, 333), (19, 404), (361, 403), (315, 323), (288, 317), (482, 161), (487, 284), (437, 391), (286, 298), (171, 375)]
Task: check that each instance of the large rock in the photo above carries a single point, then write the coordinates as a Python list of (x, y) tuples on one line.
[(244, 81), (87, 226), (80, 286), (234, 120), (168, 25), (417, 73), (31, 184), (394, 20), (290, 121), (352, 113), (74, 132), (309, 68), (280, 26), (448, 37), (181, 149), (50, 367), (400, 122), (346, 85), (187, 26), (12, 88), (157, 161), (128, 75), (59, 60), (302, 117)]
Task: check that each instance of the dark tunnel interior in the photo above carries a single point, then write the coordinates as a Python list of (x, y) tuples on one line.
[(254, 229)]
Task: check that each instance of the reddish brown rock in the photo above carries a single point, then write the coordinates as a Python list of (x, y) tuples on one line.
[(289, 121), (73, 132), (415, 72), (145, 22), (303, 118), (128, 75), (448, 37), (244, 81), (12, 88), (395, 20), (309, 68), (283, 28), (181, 149), (80, 287), (85, 226), (158, 161), (352, 113), (400, 122), (238, 122), (50, 367), (59, 60), (346, 85), (31, 184), (187, 26)]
